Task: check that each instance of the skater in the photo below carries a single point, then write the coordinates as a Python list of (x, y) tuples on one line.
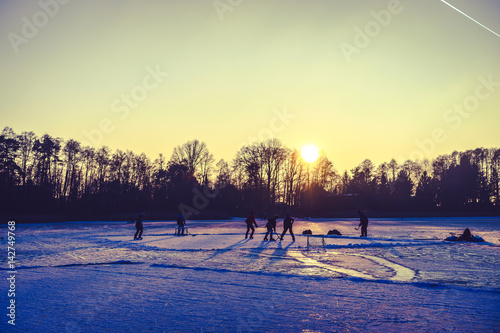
[(271, 225), (287, 225), (250, 221), (181, 222), (363, 223), (139, 227)]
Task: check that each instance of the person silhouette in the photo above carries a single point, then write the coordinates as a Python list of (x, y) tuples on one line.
[(250, 221), (287, 225), (271, 225), (363, 222), (139, 227), (181, 222)]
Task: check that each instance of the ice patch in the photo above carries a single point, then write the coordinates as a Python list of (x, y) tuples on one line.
[(311, 262), (402, 273)]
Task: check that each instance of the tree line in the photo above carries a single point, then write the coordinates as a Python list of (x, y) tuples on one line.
[(55, 177)]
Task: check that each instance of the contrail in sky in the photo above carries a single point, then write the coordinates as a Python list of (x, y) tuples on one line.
[(461, 12)]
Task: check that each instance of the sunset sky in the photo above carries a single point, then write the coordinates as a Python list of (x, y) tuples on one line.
[(155, 74)]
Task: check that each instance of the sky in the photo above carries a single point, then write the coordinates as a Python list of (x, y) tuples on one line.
[(357, 79)]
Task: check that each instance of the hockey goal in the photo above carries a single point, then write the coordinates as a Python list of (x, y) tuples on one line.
[(315, 241)]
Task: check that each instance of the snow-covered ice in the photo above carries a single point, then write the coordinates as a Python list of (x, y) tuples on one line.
[(92, 277)]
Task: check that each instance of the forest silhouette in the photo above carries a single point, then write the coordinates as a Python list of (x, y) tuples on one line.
[(48, 178)]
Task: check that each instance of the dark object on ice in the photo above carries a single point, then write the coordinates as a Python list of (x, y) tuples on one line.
[(271, 226), (181, 222), (363, 223), (334, 232), (287, 225), (186, 232), (250, 221), (307, 232), (477, 239), (139, 227), (465, 237)]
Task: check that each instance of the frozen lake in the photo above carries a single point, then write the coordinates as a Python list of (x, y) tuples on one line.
[(92, 277)]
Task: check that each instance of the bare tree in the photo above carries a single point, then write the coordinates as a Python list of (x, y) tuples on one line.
[(116, 166), (294, 177), (223, 174), (102, 160), (189, 154), (71, 152), (248, 162), (206, 167), (324, 174), (273, 156), (26, 141), (47, 155), (9, 149), (495, 175), (393, 166), (88, 160)]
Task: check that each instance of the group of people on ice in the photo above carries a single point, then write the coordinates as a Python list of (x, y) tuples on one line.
[(287, 227), (270, 226), (251, 222)]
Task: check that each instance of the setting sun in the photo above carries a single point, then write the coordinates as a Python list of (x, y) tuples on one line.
[(310, 153)]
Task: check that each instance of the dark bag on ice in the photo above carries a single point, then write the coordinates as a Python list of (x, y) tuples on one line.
[(334, 232), (466, 236), (307, 232), (477, 239)]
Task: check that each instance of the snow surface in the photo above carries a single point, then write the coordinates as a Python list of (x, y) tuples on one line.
[(92, 277)]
